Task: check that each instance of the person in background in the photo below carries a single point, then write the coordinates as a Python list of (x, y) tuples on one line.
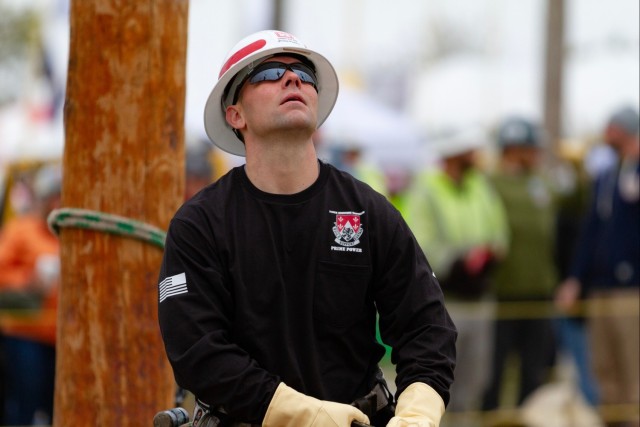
[(273, 275), (606, 269), (29, 277), (573, 182), (351, 157), (398, 181), (198, 168), (526, 277), (460, 223)]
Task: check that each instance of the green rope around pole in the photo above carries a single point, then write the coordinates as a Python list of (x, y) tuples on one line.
[(108, 223)]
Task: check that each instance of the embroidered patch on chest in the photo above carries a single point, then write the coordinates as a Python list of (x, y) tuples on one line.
[(348, 228)]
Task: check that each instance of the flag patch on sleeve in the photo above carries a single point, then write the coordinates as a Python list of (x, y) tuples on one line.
[(173, 285)]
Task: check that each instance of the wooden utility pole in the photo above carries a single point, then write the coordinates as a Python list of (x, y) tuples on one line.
[(278, 15), (124, 155), (554, 65)]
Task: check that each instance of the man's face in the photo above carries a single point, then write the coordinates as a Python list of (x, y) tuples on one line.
[(285, 105), (463, 161), (526, 157), (614, 136)]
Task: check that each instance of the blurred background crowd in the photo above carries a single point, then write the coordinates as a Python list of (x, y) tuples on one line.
[(517, 171)]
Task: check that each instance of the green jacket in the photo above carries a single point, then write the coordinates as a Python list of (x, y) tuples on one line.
[(449, 219), (528, 272)]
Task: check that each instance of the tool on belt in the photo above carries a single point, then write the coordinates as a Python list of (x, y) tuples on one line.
[(178, 417), (378, 398), (174, 417)]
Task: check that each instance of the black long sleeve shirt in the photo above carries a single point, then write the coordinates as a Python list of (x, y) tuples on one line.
[(257, 288)]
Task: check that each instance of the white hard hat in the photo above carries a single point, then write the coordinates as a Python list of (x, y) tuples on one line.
[(47, 181), (244, 56), (459, 142)]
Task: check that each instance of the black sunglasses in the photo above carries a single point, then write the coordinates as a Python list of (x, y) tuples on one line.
[(274, 70)]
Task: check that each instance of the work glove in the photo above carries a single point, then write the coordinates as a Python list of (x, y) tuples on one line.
[(289, 408), (418, 406)]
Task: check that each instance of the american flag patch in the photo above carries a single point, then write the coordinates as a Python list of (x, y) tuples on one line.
[(174, 285)]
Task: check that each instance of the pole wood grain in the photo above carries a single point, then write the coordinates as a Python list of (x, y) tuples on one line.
[(124, 155)]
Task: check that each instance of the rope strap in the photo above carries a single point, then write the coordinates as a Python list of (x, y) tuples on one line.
[(108, 223)]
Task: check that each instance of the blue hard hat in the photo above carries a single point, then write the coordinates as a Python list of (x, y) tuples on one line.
[(627, 119), (516, 131)]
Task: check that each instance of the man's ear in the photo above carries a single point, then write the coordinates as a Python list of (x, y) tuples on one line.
[(234, 117)]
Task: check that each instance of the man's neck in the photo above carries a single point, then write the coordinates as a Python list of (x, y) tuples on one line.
[(282, 168), (453, 171)]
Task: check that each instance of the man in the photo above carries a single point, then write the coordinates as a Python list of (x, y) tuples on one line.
[(460, 223), (272, 276), (606, 268), (527, 275)]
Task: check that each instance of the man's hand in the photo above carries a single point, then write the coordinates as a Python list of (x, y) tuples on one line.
[(478, 260), (289, 408), (418, 406), (567, 295)]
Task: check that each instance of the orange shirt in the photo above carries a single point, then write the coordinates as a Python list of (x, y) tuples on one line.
[(22, 241)]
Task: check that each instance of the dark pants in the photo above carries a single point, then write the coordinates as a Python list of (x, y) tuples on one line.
[(29, 380), (534, 343), (573, 339)]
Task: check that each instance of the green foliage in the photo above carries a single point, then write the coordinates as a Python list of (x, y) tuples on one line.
[(19, 30), (20, 42)]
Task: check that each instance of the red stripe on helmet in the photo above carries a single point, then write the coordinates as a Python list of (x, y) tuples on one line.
[(242, 53)]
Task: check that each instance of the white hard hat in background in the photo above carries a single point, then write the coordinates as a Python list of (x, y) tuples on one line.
[(459, 142), (47, 181)]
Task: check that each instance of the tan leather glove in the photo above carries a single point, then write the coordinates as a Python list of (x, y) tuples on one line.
[(289, 408), (418, 406)]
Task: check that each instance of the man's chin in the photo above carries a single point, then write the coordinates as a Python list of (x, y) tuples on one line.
[(301, 125)]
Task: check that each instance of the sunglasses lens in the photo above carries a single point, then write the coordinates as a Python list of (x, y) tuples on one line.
[(273, 71), (268, 75), (305, 74)]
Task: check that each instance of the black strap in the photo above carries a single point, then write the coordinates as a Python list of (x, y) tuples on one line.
[(378, 398), (367, 404)]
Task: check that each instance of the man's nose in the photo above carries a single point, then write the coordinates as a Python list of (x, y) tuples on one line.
[(291, 78)]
